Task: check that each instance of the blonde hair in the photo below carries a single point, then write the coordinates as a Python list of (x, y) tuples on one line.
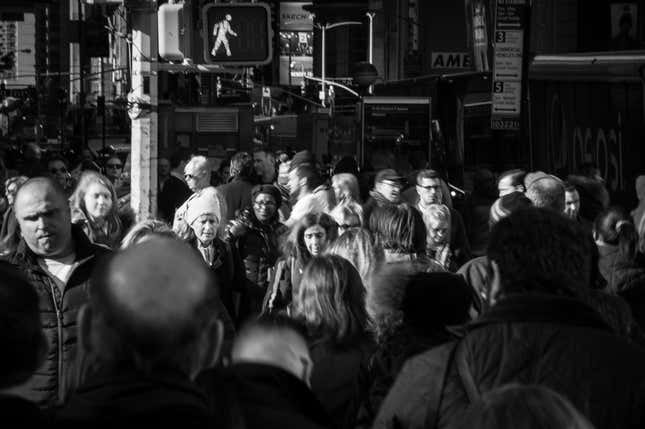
[(77, 203), (347, 208), (359, 247), (145, 228), (348, 184)]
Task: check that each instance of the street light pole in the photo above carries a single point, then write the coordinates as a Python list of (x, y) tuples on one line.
[(370, 47), (323, 29), (322, 71)]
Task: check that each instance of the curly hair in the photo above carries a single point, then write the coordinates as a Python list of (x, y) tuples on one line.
[(538, 250), (615, 227), (331, 300)]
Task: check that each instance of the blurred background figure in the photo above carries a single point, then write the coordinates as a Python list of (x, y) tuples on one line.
[(24, 344), (237, 190), (511, 181), (172, 192), (347, 214), (358, 246), (145, 230), (638, 214), (9, 232), (58, 169)]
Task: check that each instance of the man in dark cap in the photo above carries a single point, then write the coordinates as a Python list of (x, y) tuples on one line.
[(387, 190), (150, 327)]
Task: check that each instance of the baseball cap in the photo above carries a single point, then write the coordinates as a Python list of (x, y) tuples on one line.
[(388, 174)]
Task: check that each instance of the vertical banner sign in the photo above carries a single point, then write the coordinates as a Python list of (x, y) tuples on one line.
[(510, 23)]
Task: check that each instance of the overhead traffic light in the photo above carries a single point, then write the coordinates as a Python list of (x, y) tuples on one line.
[(237, 34)]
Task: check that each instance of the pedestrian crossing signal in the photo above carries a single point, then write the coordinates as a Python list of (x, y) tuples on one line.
[(237, 34)]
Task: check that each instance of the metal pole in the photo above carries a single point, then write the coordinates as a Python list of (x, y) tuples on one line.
[(81, 76), (322, 71), (370, 48)]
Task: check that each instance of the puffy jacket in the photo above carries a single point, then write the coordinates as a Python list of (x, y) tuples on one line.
[(51, 382), (530, 339), (257, 245)]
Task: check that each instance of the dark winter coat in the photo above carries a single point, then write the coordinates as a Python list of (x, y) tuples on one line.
[(285, 280), (128, 398), (336, 378), (50, 383), (271, 398), (257, 246), (531, 339), (172, 194), (237, 194), (228, 271)]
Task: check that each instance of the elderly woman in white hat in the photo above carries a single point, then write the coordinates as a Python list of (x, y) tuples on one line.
[(202, 222)]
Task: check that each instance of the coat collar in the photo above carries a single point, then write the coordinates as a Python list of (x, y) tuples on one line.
[(83, 248), (541, 308)]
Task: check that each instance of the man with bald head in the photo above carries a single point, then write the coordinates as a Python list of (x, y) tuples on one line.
[(545, 191), (151, 325), (57, 258), (270, 374)]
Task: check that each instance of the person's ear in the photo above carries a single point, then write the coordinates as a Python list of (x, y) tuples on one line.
[(212, 341), (494, 283)]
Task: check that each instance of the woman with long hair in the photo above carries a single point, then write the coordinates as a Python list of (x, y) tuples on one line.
[(331, 304), (94, 207), (309, 237), (347, 214), (359, 247)]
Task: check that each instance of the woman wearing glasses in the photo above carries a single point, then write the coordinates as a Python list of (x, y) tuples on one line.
[(255, 234), (94, 207)]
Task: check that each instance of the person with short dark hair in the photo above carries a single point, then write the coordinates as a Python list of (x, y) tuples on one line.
[(146, 333), (24, 344), (264, 164), (58, 169), (539, 330), (310, 193), (237, 190), (172, 192), (58, 259), (331, 304), (516, 406), (511, 181), (255, 234), (9, 231), (270, 376)]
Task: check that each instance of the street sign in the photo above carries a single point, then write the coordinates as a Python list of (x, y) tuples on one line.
[(510, 19), (237, 34)]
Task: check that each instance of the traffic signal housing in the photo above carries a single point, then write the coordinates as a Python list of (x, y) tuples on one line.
[(237, 34)]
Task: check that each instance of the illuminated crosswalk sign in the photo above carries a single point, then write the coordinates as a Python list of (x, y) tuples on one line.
[(237, 34)]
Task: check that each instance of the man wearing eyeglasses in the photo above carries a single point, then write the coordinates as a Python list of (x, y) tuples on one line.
[(429, 189), (197, 176)]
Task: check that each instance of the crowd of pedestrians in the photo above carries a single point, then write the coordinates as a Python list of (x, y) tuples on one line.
[(286, 297)]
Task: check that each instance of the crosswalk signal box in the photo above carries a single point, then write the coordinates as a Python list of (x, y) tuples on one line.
[(237, 34)]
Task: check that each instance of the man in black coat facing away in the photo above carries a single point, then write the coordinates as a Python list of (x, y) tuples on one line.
[(150, 327), (270, 377), (538, 331)]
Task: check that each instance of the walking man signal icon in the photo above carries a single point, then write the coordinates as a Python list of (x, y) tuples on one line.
[(221, 30)]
